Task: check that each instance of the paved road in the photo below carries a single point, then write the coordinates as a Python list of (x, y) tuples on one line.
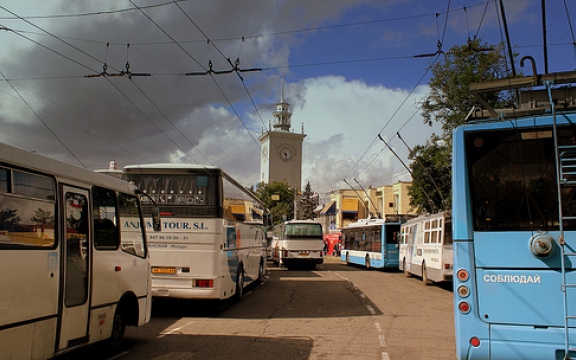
[(335, 312)]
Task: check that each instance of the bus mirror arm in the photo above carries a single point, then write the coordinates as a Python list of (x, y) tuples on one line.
[(155, 211)]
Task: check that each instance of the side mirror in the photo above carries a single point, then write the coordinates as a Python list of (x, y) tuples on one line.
[(156, 224)]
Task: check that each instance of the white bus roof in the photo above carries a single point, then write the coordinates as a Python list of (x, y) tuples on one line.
[(444, 214), (28, 160), (302, 222), (168, 166)]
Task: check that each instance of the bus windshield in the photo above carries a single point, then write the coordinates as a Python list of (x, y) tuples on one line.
[(513, 180), (294, 231), (185, 195)]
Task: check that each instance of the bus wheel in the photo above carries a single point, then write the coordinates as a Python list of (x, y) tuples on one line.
[(406, 273), (347, 258), (367, 262), (239, 285), (425, 279), (118, 329), (261, 271)]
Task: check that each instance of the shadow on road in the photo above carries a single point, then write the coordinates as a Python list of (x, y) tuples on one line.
[(205, 347)]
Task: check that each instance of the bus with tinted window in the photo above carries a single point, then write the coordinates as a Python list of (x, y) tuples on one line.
[(213, 240), (514, 222), (73, 257), (426, 248), (372, 243), (298, 243)]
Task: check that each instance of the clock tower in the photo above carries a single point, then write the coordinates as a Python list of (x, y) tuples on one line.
[(281, 149)]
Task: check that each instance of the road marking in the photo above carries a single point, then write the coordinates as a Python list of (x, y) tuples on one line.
[(170, 332), (118, 356), (385, 356), (378, 327), (363, 296), (371, 309), (382, 341)]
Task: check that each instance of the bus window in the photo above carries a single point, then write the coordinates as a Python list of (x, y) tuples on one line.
[(105, 217), (27, 219), (76, 278), (131, 234)]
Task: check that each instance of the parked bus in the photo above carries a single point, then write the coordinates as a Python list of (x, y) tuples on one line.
[(426, 247), (73, 257), (298, 243), (514, 214), (213, 241), (372, 243)]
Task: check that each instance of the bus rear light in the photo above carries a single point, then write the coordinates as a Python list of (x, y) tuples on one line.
[(462, 275), (285, 254), (166, 213), (202, 283), (447, 266), (463, 291), (464, 307), (474, 341)]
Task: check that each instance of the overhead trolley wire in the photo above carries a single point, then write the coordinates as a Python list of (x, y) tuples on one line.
[(42, 121), (115, 144)]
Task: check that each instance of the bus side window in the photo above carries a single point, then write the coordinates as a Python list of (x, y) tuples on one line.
[(28, 218), (105, 218), (131, 233)]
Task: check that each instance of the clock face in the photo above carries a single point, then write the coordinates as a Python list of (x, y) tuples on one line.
[(286, 153)]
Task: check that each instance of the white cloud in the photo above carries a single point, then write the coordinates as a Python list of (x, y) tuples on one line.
[(342, 120)]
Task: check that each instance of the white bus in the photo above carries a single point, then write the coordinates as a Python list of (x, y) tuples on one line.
[(73, 257), (213, 241), (426, 247), (298, 242)]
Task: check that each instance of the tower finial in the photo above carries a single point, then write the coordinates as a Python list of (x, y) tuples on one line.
[(282, 93)]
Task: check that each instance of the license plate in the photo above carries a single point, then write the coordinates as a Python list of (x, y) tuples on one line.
[(164, 270), (304, 254)]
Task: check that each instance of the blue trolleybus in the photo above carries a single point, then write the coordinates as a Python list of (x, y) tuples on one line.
[(372, 243), (514, 226)]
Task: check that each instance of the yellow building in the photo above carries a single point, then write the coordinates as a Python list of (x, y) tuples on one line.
[(347, 206)]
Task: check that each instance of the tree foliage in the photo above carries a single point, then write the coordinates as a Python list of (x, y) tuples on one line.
[(281, 209), (308, 202), (448, 103), (449, 100)]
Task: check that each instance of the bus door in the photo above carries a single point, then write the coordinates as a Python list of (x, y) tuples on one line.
[(74, 304), (410, 246), (391, 244)]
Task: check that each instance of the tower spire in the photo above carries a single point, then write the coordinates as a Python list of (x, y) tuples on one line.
[(282, 90), (282, 114)]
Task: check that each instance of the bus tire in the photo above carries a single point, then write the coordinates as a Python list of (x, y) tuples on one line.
[(239, 284), (118, 328), (261, 271), (425, 279), (367, 262), (406, 273)]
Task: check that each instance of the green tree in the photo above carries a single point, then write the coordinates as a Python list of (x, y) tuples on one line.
[(448, 103), (308, 202), (281, 208)]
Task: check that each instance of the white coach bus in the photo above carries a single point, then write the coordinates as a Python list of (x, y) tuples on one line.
[(298, 242), (426, 247), (213, 241), (73, 257)]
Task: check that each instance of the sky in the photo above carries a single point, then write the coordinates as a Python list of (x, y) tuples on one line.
[(348, 67)]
